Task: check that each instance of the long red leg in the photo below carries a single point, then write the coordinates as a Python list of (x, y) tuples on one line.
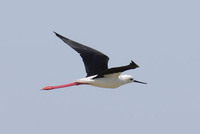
[(61, 86)]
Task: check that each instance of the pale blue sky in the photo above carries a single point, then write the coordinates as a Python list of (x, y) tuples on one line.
[(162, 37)]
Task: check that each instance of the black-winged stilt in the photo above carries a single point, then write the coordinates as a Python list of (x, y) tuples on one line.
[(96, 66)]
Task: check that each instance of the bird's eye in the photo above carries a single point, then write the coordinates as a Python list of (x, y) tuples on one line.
[(131, 79)]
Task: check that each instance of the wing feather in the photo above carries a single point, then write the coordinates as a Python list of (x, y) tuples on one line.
[(94, 61)]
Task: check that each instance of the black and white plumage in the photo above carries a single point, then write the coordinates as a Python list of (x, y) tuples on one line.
[(96, 66), (94, 61)]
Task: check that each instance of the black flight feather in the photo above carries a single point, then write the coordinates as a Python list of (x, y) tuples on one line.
[(94, 61)]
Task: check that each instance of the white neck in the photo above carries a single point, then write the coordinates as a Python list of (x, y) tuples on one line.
[(107, 82)]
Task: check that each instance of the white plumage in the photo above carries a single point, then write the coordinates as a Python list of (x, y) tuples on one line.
[(108, 81)]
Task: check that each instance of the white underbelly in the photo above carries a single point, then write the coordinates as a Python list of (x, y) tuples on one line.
[(101, 82)]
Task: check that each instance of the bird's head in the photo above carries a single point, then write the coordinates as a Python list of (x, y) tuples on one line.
[(129, 79)]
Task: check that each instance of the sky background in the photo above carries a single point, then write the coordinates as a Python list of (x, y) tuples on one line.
[(162, 37)]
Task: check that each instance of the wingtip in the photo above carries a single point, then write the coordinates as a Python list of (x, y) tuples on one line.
[(134, 64), (56, 33), (60, 36)]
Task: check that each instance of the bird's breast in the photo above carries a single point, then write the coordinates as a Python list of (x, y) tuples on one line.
[(101, 82)]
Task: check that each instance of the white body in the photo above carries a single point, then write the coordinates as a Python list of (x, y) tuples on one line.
[(108, 81)]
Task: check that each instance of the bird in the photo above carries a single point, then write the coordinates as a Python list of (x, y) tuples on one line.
[(96, 67)]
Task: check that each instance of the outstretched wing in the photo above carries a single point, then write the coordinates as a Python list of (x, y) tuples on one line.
[(117, 70), (94, 61)]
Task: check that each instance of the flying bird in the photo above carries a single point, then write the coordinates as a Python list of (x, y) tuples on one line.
[(96, 66)]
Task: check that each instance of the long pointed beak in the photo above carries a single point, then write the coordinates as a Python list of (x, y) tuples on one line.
[(140, 82)]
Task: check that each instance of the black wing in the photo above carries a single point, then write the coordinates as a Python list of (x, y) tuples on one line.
[(94, 61), (132, 65)]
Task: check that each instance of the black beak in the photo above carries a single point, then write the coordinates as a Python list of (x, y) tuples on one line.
[(140, 82)]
